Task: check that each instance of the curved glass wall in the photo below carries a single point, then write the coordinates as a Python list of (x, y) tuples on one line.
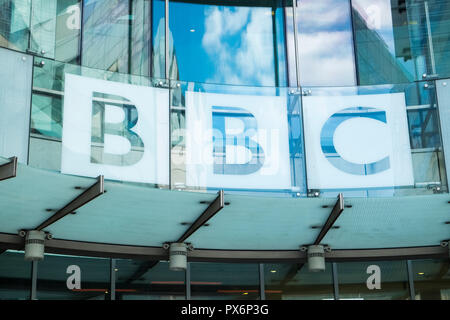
[(400, 41), (259, 43)]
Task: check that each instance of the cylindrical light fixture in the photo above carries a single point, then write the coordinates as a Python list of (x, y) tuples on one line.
[(34, 245), (178, 256), (316, 258)]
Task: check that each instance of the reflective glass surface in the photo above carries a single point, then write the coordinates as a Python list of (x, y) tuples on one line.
[(224, 281), (229, 44), (296, 282), (73, 278), (15, 23), (15, 276), (398, 150), (431, 279), (240, 138), (124, 36), (400, 41), (148, 280), (325, 43), (377, 280)]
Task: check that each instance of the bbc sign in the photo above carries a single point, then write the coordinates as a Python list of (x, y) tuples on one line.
[(232, 141)]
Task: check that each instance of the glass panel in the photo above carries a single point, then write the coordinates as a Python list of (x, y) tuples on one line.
[(359, 280), (14, 24), (148, 280), (229, 44), (119, 36), (73, 278), (432, 279), (443, 96), (290, 46), (126, 115), (15, 87), (224, 281), (397, 148), (15, 276), (296, 282), (245, 139), (325, 43), (241, 139), (400, 41)]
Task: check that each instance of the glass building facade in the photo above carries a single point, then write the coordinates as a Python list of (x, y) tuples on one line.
[(303, 57)]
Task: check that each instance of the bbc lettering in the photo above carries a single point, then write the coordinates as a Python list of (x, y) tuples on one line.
[(231, 141)]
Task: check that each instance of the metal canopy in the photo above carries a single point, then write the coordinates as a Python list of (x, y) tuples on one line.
[(334, 215), (134, 215)]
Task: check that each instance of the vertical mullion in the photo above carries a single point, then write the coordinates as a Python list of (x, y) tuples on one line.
[(80, 47), (188, 281), (297, 62), (262, 290), (354, 41), (412, 291), (335, 281), (150, 44), (34, 267), (112, 271), (167, 69)]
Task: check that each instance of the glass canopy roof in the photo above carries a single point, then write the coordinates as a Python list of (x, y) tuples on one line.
[(133, 215)]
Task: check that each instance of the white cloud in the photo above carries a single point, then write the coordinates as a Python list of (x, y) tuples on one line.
[(247, 61), (325, 43)]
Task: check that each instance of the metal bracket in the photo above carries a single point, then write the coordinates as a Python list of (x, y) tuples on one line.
[(295, 92), (313, 193), (8, 170), (89, 194), (326, 247)]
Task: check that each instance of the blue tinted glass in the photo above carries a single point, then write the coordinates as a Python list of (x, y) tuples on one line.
[(228, 44), (325, 43), (401, 41)]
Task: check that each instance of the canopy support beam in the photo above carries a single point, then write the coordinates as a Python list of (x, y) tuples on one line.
[(212, 210), (88, 195)]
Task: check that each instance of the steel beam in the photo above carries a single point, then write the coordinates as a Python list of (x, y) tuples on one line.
[(334, 215), (8, 170), (93, 249), (212, 209), (89, 194)]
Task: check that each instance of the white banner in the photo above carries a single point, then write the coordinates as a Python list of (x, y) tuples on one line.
[(357, 141), (114, 129), (237, 141)]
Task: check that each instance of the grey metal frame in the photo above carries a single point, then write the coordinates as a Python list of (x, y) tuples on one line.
[(33, 289), (412, 293), (335, 281), (262, 282), (112, 272), (338, 208), (92, 249), (8, 170)]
